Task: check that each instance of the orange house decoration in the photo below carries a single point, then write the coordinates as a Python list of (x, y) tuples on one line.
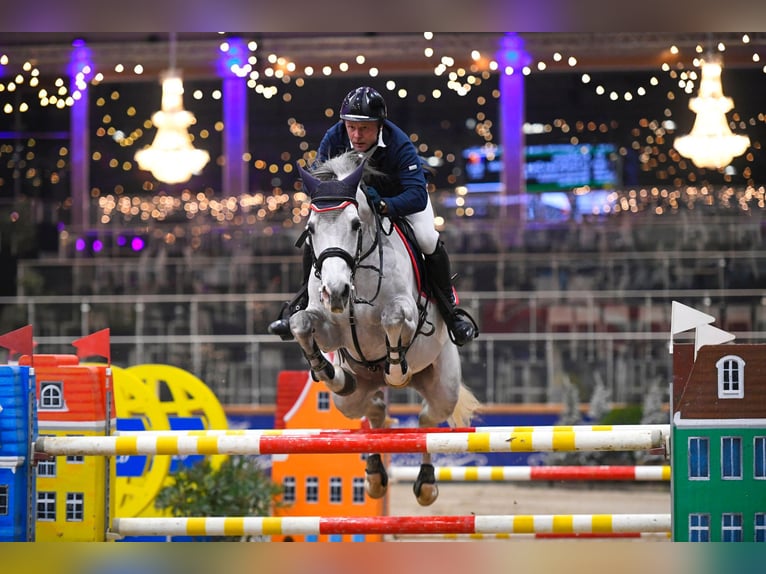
[(319, 484)]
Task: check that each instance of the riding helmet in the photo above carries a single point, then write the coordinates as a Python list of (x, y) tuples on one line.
[(364, 104)]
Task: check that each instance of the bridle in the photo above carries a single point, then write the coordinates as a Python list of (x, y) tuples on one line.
[(354, 261), (351, 260)]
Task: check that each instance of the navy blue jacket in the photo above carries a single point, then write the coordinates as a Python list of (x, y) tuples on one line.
[(404, 184)]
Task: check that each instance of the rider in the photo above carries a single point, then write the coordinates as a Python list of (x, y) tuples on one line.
[(400, 191)]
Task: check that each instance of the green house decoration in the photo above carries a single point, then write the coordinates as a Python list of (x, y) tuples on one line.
[(718, 438)]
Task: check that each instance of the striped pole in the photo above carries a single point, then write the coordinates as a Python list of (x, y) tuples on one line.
[(308, 525), (663, 429), (539, 535), (411, 442), (532, 473)]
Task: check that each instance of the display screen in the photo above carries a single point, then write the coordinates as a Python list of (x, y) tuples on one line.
[(548, 167)]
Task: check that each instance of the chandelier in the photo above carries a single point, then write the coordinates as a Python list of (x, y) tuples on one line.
[(711, 143), (171, 157)]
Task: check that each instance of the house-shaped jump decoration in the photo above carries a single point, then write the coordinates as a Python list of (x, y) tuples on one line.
[(319, 484), (18, 426), (718, 435), (75, 495)]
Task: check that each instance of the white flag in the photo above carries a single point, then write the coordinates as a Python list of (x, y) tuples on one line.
[(709, 335), (684, 318)]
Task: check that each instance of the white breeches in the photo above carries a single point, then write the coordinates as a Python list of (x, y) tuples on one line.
[(422, 224)]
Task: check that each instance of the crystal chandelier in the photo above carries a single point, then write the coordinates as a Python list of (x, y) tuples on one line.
[(711, 143), (171, 157)]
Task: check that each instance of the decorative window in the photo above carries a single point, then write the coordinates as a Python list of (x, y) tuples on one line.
[(357, 491), (336, 489), (759, 457), (731, 377), (288, 489), (46, 506), (323, 401), (731, 527), (75, 458), (47, 467), (731, 457), (760, 526), (699, 528), (4, 501), (699, 458), (52, 395), (312, 489), (74, 506)]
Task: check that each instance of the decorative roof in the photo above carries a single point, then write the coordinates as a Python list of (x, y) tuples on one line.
[(695, 383)]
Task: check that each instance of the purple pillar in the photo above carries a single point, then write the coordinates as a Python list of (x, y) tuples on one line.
[(511, 59), (235, 180), (80, 72)]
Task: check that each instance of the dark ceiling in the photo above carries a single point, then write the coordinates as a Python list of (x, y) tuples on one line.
[(391, 52)]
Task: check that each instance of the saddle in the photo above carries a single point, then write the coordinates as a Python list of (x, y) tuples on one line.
[(407, 235)]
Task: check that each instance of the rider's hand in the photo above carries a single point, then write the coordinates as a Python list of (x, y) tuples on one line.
[(373, 196)]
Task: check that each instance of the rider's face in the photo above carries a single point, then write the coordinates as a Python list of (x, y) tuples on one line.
[(362, 135)]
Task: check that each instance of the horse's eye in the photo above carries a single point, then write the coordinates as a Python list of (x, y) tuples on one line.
[(355, 225)]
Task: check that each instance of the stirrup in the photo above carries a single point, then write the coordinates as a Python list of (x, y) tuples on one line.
[(467, 333), (281, 326)]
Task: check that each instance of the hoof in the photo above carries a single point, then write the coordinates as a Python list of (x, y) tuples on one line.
[(373, 483), (425, 489), (428, 494), (323, 372), (376, 477)]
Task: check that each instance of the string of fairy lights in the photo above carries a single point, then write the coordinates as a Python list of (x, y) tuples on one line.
[(458, 78), (272, 75)]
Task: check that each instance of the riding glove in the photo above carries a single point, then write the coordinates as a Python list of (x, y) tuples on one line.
[(373, 196)]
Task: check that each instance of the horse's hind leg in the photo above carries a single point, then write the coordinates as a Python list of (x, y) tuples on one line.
[(445, 398), (368, 401), (425, 488), (376, 477)]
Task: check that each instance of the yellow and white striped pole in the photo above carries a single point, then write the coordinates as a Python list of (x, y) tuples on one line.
[(317, 443), (308, 525)]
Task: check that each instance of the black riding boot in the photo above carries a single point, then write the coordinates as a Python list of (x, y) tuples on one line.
[(281, 326), (461, 325)]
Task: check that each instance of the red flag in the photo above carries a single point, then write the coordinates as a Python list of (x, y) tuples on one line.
[(18, 341), (94, 344)]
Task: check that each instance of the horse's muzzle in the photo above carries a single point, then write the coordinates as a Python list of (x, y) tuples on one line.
[(336, 301)]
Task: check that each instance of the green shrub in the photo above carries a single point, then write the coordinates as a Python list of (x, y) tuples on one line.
[(239, 487), (630, 415)]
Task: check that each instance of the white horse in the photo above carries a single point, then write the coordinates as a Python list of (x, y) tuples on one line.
[(366, 304)]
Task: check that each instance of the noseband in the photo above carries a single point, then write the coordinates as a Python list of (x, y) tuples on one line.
[(351, 260)]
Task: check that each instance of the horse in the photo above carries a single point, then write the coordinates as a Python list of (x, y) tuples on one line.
[(369, 325)]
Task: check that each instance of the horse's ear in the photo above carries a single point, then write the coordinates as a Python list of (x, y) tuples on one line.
[(355, 176), (310, 183)]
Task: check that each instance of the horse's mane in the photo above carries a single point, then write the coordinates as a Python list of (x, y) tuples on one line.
[(341, 165)]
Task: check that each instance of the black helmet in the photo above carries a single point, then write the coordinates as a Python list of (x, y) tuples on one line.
[(363, 104)]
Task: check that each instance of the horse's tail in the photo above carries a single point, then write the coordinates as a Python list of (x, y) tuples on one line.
[(467, 405)]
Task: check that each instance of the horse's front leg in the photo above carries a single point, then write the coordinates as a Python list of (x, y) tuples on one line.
[(399, 320), (310, 329)]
